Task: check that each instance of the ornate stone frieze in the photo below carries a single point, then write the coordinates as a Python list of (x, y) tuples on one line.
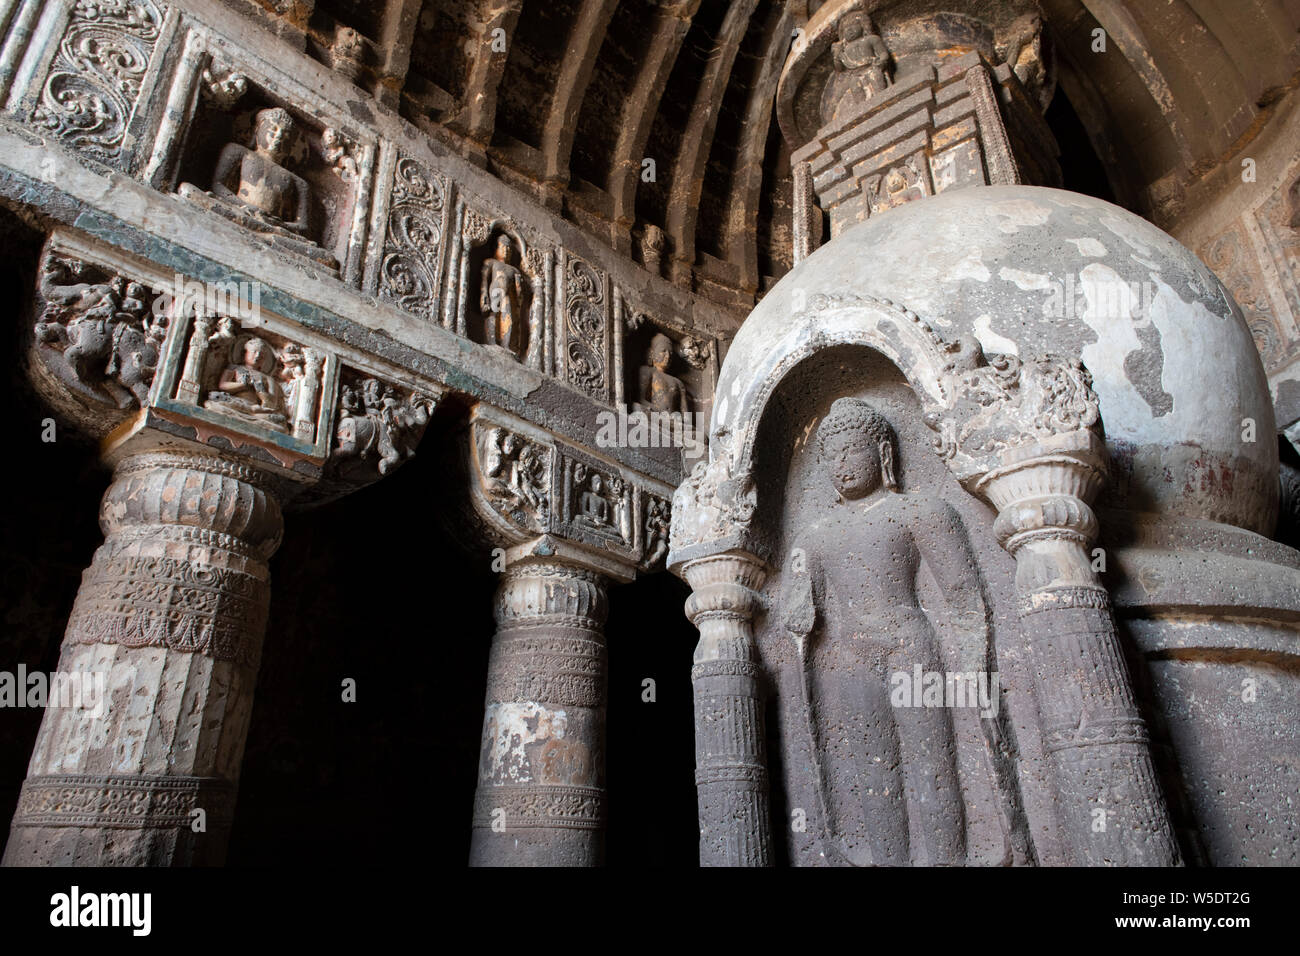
[(411, 268), (379, 427), (712, 504), (97, 331), (596, 505), (524, 485), (128, 801), (1002, 404), (585, 327), (90, 92), (576, 808), (515, 475), (233, 376)]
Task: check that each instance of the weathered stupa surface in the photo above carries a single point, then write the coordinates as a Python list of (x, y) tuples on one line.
[(1028, 270)]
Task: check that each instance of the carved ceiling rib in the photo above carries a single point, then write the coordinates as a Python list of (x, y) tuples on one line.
[(479, 110), (741, 240), (673, 24), (1124, 31), (697, 139), (584, 45), (397, 32)]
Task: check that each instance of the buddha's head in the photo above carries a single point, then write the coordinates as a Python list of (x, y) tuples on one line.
[(661, 351), (273, 132), (505, 247), (857, 449)]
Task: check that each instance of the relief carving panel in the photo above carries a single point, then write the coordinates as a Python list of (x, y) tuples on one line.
[(90, 93)]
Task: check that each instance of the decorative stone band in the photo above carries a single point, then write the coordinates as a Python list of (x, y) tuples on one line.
[(999, 156), (124, 801), (1114, 729), (1052, 517), (165, 602), (201, 492), (550, 595), (568, 808), (559, 670), (1055, 599), (733, 776)]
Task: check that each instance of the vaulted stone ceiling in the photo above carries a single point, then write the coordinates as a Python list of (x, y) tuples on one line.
[(568, 99)]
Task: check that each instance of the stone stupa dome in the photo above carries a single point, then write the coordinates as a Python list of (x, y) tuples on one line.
[(1029, 270)]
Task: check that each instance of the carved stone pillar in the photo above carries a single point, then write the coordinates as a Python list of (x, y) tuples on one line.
[(710, 549), (567, 524), (1111, 806), (1026, 437), (172, 610), (730, 757), (541, 785)]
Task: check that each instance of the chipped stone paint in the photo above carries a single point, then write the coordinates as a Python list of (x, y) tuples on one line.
[(914, 257), (990, 340), (1024, 281), (515, 729), (1089, 246), (1012, 215)]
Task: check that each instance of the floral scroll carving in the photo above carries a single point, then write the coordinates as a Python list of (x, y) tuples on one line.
[(585, 327), (411, 268), (91, 90)]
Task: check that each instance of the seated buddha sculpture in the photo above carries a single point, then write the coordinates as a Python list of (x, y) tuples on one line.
[(254, 188)]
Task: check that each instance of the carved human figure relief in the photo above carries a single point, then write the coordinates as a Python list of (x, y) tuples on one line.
[(249, 387), (657, 519), (852, 608), (862, 66), (95, 329), (379, 424), (516, 473), (592, 506), (501, 298), (658, 390), (255, 188)]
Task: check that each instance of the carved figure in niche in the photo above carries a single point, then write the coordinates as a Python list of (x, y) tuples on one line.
[(851, 605), (659, 391), (337, 150), (652, 248), (501, 297), (901, 184), (591, 503), (515, 471), (622, 508), (656, 530), (860, 51), (254, 188), (347, 52), (249, 388), (223, 87), (102, 328)]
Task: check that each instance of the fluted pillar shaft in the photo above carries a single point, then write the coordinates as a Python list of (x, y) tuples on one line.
[(541, 784), (1112, 809), (730, 750), (171, 612)]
